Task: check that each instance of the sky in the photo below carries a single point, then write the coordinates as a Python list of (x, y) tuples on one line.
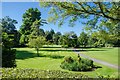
[(15, 10)]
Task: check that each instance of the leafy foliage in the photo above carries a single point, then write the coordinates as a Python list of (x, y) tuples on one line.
[(83, 39), (8, 26), (69, 39), (77, 65), (31, 24), (83, 10), (8, 54), (18, 73), (37, 43), (10, 39)]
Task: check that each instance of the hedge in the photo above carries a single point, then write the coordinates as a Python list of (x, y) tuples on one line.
[(18, 73)]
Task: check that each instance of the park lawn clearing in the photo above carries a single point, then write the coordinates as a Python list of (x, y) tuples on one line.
[(109, 55), (103, 71), (51, 58), (48, 58)]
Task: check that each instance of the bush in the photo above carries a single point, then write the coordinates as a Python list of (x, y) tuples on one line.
[(87, 62), (8, 57), (68, 59), (18, 73), (65, 46), (75, 65)]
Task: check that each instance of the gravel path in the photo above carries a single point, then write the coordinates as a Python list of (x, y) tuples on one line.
[(95, 60)]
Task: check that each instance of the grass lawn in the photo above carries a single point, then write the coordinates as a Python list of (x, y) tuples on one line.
[(51, 58), (109, 55)]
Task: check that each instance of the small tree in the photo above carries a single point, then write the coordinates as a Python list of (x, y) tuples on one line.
[(83, 39), (37, 43)]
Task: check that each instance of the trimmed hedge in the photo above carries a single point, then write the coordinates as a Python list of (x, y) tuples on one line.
[(17, 73)]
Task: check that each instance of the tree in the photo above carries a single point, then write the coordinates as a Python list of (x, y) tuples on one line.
[(103, 11), (49, 35), (94, 15), (31, 23), (8, 26), (37, 43), (73, 39), (56, 37), (9, 40), (42, 33), (8, 54), (30, 16), (100, 38), (83, 39), (69, 39)]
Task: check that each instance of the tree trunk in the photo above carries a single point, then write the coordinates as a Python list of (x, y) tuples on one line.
[(38, 52)]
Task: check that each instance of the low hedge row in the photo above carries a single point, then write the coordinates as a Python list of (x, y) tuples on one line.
[(17, 73)]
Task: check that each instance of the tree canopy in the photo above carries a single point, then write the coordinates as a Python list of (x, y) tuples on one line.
[(99, 11)]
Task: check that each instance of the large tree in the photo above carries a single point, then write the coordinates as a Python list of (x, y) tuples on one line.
[(30, 16), (95, 15), (31, 24), (85, 10)]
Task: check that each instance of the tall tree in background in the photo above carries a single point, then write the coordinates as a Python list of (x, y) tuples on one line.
[(83, 39), (42, 33), (31, 24), (56, 37), (30, 16), (49, 35)]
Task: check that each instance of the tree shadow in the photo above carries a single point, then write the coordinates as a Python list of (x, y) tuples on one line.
[(95, 67), (26, 54), (69, 50), (88, 50), (51, 56)]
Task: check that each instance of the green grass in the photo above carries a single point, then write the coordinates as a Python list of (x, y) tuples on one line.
[(51, 58), (48, 58), (109, 55)]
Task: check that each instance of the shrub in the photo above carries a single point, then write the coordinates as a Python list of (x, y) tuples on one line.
[(87, 62), (19, 74), (75, 65), (68, 59), (65, 46), (8, 57)]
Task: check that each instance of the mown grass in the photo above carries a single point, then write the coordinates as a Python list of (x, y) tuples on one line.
[(109, 55), (51, 58)]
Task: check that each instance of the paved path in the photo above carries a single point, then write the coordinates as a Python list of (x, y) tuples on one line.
[(95, 60)]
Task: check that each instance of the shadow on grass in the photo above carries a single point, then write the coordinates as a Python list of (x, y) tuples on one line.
[(24, 55), (27, 54), (91, 69), (96, 67), (52, 56), (70, 50)]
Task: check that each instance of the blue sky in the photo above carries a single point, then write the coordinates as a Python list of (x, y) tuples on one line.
[(15, 11)]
